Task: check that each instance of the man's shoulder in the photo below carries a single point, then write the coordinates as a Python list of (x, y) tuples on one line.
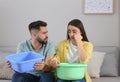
[(25, 42), (49, 42)]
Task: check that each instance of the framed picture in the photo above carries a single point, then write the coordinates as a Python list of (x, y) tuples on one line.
[(98, 6)]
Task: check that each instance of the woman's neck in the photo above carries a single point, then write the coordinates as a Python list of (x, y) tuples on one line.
[(74, 43)]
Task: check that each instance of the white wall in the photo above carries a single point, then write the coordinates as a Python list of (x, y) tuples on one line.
[(15, 15), (119, 22)]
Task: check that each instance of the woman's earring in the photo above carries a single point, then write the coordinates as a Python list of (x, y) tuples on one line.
[(81, 37)]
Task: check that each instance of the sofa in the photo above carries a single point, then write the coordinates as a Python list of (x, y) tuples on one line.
[(109, 69), (103, 67)]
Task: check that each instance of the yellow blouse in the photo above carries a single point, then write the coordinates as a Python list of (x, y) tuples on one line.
[(63, 48)]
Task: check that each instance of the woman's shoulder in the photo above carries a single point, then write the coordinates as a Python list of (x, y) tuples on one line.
[(85, 43), (63, 43)]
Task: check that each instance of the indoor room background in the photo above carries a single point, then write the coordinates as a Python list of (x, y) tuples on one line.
[(15, 15)]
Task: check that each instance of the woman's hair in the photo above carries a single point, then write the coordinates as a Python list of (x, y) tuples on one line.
[(78, 24)]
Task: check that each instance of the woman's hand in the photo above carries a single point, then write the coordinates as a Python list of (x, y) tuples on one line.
[(78, 38), (81, 50), (54, 63)]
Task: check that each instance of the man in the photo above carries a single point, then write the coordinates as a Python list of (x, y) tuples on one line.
[(39, 43)]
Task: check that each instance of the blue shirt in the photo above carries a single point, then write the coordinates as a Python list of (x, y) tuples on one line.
[(47, 49)]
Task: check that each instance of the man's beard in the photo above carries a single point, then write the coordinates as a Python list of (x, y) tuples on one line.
[(42, 41)]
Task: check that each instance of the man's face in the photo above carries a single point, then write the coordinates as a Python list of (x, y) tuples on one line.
[(42, 35)]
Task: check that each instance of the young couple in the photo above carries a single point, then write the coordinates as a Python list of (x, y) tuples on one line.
[(76, 48)]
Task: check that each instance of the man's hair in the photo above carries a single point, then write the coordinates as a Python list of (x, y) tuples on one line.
[(36, 25)]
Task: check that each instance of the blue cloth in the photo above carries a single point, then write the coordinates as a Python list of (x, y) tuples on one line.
[(26, 77), (81, 80)]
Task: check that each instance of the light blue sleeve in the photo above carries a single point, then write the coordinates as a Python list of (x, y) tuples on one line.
[(20, 48), (51, 49)]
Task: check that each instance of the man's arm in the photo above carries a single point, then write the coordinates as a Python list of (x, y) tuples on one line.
[(50, 54)]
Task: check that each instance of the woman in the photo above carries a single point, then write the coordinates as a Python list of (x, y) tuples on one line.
[(76, 49)]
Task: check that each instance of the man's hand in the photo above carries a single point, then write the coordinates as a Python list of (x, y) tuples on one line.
[(39, 65), (8, 65)]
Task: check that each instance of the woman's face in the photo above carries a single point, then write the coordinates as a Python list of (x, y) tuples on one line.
[(72, 31)]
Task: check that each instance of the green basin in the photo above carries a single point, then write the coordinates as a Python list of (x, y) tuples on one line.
[(71, 71)]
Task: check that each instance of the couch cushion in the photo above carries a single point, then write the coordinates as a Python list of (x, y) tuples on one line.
[(94, 65), (107, 79), (5, 80), (5, 73), (110, 65)]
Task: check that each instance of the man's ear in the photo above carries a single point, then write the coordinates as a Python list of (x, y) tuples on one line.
[(33, 34)]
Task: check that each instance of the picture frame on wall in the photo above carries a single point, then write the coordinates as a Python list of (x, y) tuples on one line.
[(98, 6)]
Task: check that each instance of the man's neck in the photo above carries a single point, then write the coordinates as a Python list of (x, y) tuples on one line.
[(36, 45)]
